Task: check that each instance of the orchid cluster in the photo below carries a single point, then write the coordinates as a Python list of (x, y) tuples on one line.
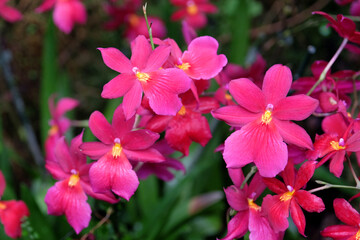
[(169, 97)]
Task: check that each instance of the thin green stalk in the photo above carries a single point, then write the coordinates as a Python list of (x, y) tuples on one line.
[(253, 170), (328, 66), (148, 27), (329, 185)]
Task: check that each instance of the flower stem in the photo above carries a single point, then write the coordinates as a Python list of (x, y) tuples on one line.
[(328, 66), (253, 170), (329, 185), (148, 27), (353, 172), (109, 211)]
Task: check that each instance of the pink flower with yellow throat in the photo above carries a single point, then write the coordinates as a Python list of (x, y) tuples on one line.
[(264, 117)]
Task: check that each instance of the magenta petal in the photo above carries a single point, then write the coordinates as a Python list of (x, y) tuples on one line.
[(203, 59), (101, 128), (247, 95), (71, 201), (45, 6), (63, 16), (118, 86), (259, 226), (296, 107), (141, 50), (139, 139), (256, 186), (304, 174), (132, 100), (63, 156), (79, 12), (163, 89), (339, 232), (298, 217), (293, 134), (235, 116), (64, 105), (95, 150), (277, 82), (147, 155), (157, 58), (337, 163), (334, 124), (106, 196), (116, 60), (119, 177), (277, 211), (119, 122), (10, 14), (309, 202), (346, 213), (238, 226), (236, 176), (236, 198)]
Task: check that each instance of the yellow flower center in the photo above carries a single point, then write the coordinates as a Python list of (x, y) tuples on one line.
[(134, 20), (191, 8), (266, 117), (287, 196), (357, 236), (53, 130), (228, 97), (74, 179), (143, 77), (184, 66), (336, 146), (182, 111), (253, 205), (116, 150), (2, 206)]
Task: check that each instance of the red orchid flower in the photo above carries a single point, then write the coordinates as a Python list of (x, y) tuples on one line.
[(10, 14), (338, 140), (344, 26), (120, 14), (68, 195), (187, 125), (66, 13), (291, 197), (143, 73), (118, 145), (11, 212), (193, 11), (348, 215), (249, 215), (264, 117)]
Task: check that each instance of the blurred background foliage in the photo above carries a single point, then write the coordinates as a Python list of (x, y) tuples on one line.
[(42, 60)]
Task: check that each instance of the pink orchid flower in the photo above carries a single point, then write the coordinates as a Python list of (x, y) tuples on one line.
[(193, 11), (249, 216), (264, 117), (144, 73), (10, 14), (68, 195), (199, 61), (66, 13), (59, 123), (348, 215), (291, 197), (118, 145), (11, 212)]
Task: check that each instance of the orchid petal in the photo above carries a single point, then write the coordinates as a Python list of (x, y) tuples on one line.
[(293, 134), (118, 86), (247, 95), (132, 100), (141, 50), (95, 150), (337, 163), (277, 211), (277, 82), (296, 107), (339, 232), (157, 58), (309, 202), (235, 116), (298, 217), (238, 226), (116, 60), (101, 128), (236, 198), (304, 174), (139, 139), (147, 155), (346, 213)]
